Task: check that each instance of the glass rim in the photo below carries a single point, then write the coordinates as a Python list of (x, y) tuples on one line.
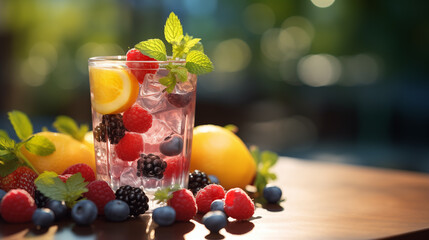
[(123, 59)]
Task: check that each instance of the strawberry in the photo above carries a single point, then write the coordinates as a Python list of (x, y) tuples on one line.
[(140, 69), (137, 119), (207, 195), (84, 169), (100, 193), (129, 147), (184, 204), (17, 206), (23, 178), (238, 204)]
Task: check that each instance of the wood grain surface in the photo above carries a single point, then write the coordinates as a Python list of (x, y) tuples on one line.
[(324, 201)]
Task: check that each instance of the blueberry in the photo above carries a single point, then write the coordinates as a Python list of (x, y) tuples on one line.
[(116, 211), (214, 221), (214, 179), (217, 205), (179, 100), (164, 216), (2, 193), (43, 217), (58, 207), (171, 146), (272, 194), (84, 212)]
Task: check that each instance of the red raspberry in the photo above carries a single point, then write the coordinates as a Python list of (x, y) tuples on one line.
[(207, 195), (137, 119), (100, 193), (130, 147), (140, 69), (23, 178), (84, 169), (64, 177), (238, 204), (184, 204), (17, 206), (173, 167)]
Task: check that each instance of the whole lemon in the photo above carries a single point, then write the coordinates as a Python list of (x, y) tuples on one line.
[(68, 151), (218, 151)]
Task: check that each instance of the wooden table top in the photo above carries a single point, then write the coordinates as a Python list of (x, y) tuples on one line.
[(324, 201)]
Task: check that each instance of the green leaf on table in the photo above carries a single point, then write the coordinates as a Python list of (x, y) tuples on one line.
[(40, 145), (173, 30), (264, 160), (198, 63), (21, 124), (153, 48), (8, 163), (67, 125), (164, 194)]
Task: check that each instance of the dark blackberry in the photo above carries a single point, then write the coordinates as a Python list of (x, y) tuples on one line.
[(151, 166), (40, 199), (100, 133), (197, 181), (179, 100), (135, 198), (114, 127)]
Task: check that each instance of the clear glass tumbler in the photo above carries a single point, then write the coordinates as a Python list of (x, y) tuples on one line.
[(148, 148)]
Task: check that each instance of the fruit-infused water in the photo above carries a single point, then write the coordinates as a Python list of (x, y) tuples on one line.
[(142, 133)]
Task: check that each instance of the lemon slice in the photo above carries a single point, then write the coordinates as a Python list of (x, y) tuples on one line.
[(112, 90)]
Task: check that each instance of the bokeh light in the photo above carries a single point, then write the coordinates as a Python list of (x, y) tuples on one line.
[(360, 69), (319, 70), (258, 17), (231, 55), (323, 3)]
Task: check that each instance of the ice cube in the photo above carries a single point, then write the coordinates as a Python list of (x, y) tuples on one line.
[(157, 133), (129, 177), (173, 118), (151, 94)]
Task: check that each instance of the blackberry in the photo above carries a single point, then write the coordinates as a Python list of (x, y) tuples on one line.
[(113, 126), (40, 199), (151, 166), (179, 100), (197, 181), (135, 198)]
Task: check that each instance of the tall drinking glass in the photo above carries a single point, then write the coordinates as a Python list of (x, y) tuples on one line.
[(142, 131)]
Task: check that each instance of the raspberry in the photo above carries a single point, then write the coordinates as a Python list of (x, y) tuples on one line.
[(100, 193), (207, 195), (184, 204), (23, 178), (130, 146), (64, 177), (137, 119), (84, 169), (140, 69), (17, 206), (238, 204), (173, 167)]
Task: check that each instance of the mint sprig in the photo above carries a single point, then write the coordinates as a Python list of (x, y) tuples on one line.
[(51, 186), (10, 151), (183, 47), (264, 160), (67, 125), (164, 194)]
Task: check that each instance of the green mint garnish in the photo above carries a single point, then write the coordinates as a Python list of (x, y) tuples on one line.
[(67, 125), (183, 47), (264, 161), (153, 48), (10, 151), (198, 63), (232, 128), (165, 194), (51, 186)]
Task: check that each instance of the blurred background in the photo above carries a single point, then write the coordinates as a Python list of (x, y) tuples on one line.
[(339, 81)]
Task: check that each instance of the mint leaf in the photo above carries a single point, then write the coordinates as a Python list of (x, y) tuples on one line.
[(8, 163), (165, 194), (6, 143), (198, 63), (181, 73), (153, 48), (40, 145), (197, 47), (180, 50), (76, 186), (21, 124), (264, 162), (67, 125), (169, 81), (269, 159), (173, 30), (4, 134)]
